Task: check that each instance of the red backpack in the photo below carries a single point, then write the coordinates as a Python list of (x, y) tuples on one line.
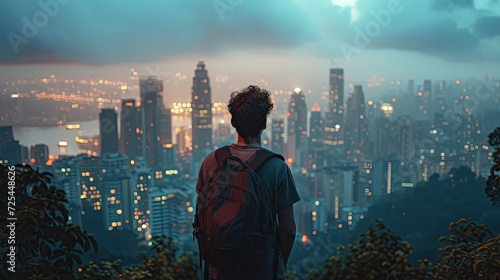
[(234, 222)]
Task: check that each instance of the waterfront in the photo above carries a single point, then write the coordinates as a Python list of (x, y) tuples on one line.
[(51, 136)]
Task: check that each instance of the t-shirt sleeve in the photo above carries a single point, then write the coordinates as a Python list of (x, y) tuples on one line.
[(287, 192)]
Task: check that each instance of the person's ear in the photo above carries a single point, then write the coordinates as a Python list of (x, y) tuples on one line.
[(264, 126), (232, 123)]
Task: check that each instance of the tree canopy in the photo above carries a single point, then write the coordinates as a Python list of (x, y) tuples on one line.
[(421, 215), (493, 184), (472, 252), (378, 254), (163, 264), (47, 245)]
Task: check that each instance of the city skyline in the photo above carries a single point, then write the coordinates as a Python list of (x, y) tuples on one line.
[(445, 40), (376, 105), (356, 154)]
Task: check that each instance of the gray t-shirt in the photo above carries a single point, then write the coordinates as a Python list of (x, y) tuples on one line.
[(274, 171)]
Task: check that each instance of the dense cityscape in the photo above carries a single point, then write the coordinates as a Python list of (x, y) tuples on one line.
[(344, 155), (387, 114)]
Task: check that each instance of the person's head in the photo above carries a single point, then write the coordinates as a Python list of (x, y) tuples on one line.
[(249, 109)]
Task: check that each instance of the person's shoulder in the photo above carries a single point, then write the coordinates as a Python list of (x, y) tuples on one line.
[(209, 160), (277, 161)]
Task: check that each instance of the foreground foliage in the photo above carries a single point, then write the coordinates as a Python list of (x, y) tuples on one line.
[(471, 252), (493, 184), (161, 265), (46, 245), (378, 254)]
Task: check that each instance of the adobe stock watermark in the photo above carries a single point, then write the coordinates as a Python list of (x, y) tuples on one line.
[(482, 91), (223, 6), (324, 249), (31, 26), (372, 29), (156, 72)]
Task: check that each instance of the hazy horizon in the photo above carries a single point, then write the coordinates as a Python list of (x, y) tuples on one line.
[(278, 44)]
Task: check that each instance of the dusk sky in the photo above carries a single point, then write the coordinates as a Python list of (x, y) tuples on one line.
[(286, 42)]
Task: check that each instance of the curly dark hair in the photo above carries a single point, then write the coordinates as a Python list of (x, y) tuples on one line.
[(249, 109)]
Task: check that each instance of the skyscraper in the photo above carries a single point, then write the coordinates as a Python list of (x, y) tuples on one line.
[(171, 212), (315, 127), (68, 177), (108, 131), (411, 88), (334, 118), (165, 126), (424, 101), (143, 180), (296, 126), (91, 181), (11, 152), (131, 130), (201, 116), (356, 136), (278, 135), (411, 99), (152, 103), (440, 101), (116, 191)]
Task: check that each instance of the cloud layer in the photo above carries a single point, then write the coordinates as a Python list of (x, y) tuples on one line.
[(108, 32)]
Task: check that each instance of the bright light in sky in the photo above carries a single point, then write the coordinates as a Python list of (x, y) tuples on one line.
[(464, 36), (492, 6), (351, 4), (344, 3)]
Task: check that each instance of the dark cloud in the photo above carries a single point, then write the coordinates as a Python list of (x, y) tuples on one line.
[(439, 37), (487, 26), (416, 28), (103, 32), (452, 4), (109, 32)]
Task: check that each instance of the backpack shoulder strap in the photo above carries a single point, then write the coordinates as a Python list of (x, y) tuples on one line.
[(261, 156), (221, 154)]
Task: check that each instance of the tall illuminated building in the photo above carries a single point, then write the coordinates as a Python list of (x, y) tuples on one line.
[(165, 126), (296, 126), (386, 136), (116, 191), (131, 131), (278, 135), (315, 127), (151, 105), (340, 187), (334, 117), (424, 96), (406, 144), (440, 102), (184, 138), (108, 130), (90, 168), (410, 99), (143, 180), (68, 177), (356, 135), (201, 116), (171, 212)]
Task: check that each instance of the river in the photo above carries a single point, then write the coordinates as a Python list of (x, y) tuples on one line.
[(51, 136)]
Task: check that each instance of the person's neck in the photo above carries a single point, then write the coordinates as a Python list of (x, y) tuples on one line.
[(253, 142)]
